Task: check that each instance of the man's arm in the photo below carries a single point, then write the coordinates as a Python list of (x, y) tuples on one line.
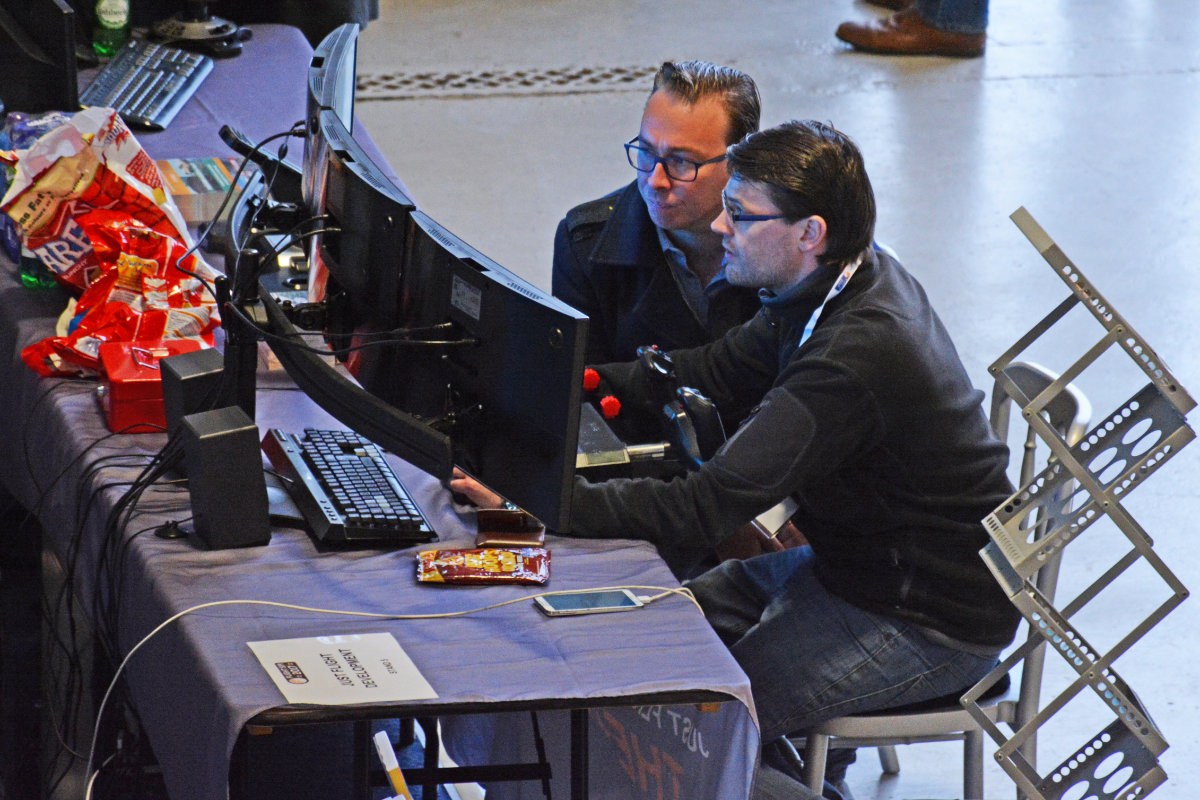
[(767, 460)]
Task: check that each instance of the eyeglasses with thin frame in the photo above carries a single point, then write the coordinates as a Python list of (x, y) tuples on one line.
[(738, 216), (678, 168)]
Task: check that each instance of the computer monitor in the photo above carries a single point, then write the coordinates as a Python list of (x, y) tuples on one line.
[(352, 192), (37, 56), (509, 392), (331, 75), (460, 361), (356, 267)]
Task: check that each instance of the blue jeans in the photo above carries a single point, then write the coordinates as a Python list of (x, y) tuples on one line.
[(811, 656), (955, 16)]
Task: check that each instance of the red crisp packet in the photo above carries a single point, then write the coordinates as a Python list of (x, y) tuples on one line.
[(144, 292), (484, 565)]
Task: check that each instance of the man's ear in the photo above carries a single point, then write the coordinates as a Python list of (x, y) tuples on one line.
[(811, 234)]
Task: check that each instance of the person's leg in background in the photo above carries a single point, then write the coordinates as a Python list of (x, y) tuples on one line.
[(922, 27), (811, 656)]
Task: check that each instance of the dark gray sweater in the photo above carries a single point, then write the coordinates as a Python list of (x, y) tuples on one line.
[(871, 426)]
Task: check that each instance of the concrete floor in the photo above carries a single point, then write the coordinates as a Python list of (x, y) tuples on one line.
[(500, 116)]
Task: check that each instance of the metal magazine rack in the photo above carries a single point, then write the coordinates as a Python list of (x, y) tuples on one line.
[(1082, 485)]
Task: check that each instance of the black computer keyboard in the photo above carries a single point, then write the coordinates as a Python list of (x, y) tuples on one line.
[(345, 488), (147, 83)]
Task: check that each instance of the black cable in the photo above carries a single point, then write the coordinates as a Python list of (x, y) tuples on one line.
[(112, 546), (291, 342), (117, 561), (295, 130), (70, 687), (116, 570), (69, 564), (399, 333), (116, 522), (274, 252), (69, 648), (104, 609), (55, 385), (294, 236), (233, 271)]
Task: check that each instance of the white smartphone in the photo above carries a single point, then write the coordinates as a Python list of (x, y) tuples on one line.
[(587, 602)]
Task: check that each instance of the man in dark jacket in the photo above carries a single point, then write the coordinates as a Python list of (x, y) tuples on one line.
[(858, 408), (642, 262)]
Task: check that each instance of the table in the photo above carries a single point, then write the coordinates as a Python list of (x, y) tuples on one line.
[(196, 685)]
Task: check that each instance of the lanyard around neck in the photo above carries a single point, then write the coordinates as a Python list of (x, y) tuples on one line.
[(834, 291)]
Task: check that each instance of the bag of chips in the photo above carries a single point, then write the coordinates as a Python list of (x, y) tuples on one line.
[(90, 162), (141, 293)]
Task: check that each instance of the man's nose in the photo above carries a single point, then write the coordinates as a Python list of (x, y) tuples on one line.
[(719, 224), (658, 177)]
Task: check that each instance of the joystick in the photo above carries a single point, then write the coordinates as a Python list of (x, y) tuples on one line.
[(691, 422), (196, 29)]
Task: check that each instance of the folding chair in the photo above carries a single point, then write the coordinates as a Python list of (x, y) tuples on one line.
[(945, 719)]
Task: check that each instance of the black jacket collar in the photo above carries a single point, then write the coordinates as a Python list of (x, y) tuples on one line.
[(629, 237)]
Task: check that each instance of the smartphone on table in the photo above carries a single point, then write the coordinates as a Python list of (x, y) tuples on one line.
[(587, 602)]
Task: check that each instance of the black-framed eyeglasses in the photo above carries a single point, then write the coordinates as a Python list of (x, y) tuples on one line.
[(738, 216), (678, 168)]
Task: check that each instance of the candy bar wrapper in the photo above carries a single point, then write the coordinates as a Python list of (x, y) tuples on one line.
[(484, 565), (91, 162), (143, 292)]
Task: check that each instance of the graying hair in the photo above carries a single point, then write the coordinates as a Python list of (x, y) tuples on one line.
[(692, 81)]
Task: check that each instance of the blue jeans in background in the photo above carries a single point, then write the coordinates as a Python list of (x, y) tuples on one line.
[(811, 656), (955, 16)]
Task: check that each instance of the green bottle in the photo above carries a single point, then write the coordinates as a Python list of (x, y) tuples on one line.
[(112, 27), (34, 274)]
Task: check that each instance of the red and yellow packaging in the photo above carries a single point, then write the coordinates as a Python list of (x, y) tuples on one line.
[(140, 294), (91, 162), (484, 565)]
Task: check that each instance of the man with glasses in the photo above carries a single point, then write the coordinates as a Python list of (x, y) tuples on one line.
[(858, 409), (642, 262)]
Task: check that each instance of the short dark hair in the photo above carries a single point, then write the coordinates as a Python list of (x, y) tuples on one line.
[(692, 81), (806, 168)]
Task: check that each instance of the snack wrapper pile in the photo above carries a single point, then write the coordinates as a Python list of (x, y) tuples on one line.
[(89, 201), (484, 565), (18, 132)]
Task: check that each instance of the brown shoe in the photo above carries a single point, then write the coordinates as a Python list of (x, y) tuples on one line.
[(906, 34), (891, 5)]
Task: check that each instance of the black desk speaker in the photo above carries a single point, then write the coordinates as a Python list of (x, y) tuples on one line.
[(191, 382), (225, 476)]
